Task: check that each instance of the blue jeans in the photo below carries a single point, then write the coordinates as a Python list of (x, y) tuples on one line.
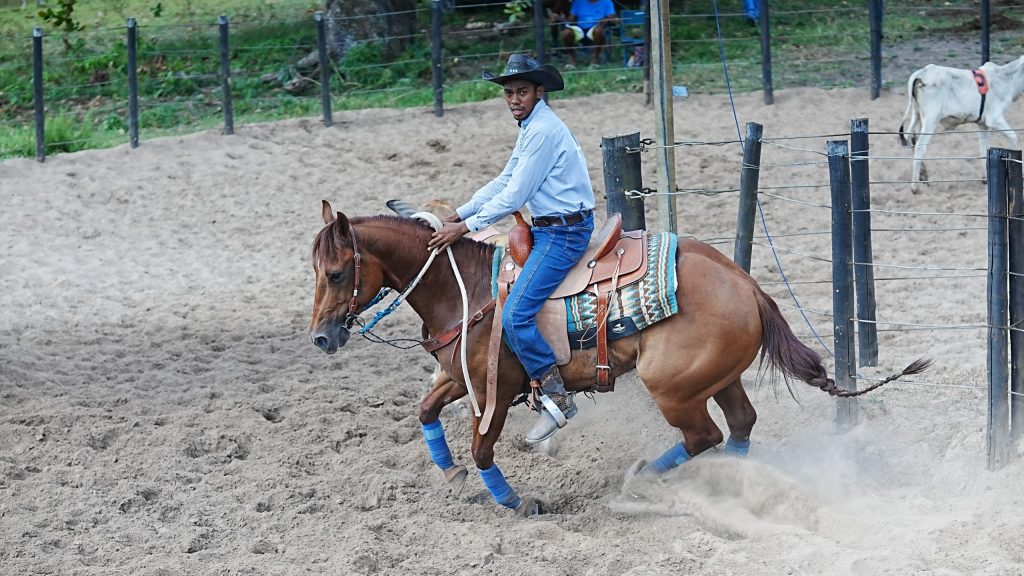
[(556, 249), (752, 8)]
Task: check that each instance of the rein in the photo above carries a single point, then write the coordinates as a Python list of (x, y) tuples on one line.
[(351, 317), (357, 258)]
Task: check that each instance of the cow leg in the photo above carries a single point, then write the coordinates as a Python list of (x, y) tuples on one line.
[(920, 172), (983, 144), (1001, 125)]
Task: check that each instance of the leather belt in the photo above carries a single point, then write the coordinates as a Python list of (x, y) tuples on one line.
[(562, 219)]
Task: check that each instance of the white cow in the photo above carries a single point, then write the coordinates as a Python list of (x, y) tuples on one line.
[(950, 97)]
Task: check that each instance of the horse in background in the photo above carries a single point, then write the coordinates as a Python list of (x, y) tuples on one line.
[(685, 360)]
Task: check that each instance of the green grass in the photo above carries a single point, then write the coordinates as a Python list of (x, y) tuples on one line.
[(814, 42)]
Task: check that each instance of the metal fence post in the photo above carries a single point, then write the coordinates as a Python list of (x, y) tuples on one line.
[(842, 279), (325, 67), (766, 54), (622, 173), (133, 84), (37, 92), (998, 390), (749, 175), (1015, 199), (435, 58), (225, 75), (875, 15), (863, 267)]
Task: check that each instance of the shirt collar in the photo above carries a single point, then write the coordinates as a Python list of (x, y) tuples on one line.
[(541, 104)]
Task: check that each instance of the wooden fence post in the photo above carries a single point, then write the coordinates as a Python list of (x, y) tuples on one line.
[(435, 52), (864, 271), (1015, 200), (37, 92), (133, 83), (749, 175), (986, 28), (998, 312), (621, 174), (842, 279), (325, 68), (225, 75), (539, 41), (766, 54), (875, 17)]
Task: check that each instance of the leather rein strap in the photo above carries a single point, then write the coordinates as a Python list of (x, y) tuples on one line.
[(493, 351), (350, 318)]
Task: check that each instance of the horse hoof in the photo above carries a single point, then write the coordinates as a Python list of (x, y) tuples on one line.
[(638, 469), (529, 506), (456, 478)]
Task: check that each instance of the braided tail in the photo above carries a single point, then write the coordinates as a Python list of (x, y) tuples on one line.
[(786, 353)]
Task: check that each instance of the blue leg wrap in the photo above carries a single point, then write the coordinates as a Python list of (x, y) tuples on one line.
[(672, 457), (502, 492), (433, 432), (737, 447)]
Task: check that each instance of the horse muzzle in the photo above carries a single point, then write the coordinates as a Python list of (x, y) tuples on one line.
[(329, 338)]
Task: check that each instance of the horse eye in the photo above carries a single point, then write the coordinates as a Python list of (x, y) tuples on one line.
[(336, 276)]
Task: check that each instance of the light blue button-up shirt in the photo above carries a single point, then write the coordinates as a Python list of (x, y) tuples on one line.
[(547, 173)]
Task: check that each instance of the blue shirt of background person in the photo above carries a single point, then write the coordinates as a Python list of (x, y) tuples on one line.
[(547, 172), (589, 12)]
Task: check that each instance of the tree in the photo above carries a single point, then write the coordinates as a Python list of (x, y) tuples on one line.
[(391, 22)]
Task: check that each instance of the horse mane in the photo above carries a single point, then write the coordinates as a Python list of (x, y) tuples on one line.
[(478, 255)]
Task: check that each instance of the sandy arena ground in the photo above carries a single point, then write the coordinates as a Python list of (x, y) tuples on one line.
[(162, 411)]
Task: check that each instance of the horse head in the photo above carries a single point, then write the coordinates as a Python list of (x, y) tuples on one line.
[(343, 283)]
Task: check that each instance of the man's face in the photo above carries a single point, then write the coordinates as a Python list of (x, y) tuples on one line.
[(521, 96)]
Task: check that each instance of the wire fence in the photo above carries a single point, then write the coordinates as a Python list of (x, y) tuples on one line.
[(929, 264), (272, 62)]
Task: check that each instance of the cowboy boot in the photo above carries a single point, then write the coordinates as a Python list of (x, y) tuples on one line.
[(558, 406)]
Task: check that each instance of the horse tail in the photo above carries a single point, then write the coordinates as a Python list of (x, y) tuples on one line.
[(786, 353)]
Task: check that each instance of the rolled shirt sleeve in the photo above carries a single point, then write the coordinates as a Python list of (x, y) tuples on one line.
[(534, 158)]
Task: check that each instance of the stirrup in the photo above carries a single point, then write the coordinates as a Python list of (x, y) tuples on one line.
[(553, 410)]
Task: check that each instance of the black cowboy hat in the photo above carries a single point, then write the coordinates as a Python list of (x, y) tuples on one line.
[(521, 66)]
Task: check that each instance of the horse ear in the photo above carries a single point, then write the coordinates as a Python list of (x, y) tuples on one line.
[(328, 212), (342, 225)]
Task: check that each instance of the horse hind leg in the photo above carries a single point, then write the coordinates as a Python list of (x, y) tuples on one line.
[(699, 433), (740, 416)]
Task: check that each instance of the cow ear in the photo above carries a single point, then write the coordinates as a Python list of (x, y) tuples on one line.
[(328, 212)]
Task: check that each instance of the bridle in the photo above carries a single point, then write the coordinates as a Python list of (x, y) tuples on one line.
[(350, 318)]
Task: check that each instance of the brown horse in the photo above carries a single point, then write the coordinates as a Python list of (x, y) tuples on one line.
[(724, 318)]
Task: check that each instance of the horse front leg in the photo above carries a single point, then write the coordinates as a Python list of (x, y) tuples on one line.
[(483, 455), (444, 391)]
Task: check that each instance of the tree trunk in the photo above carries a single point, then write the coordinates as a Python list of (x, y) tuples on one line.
[(352, 22)]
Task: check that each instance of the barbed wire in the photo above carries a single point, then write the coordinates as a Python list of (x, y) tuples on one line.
[(788, 251), (793, 200)]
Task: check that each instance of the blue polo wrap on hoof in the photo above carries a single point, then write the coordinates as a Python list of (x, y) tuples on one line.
[(433, 433), (737, 447), (672, 458), (502, 492)]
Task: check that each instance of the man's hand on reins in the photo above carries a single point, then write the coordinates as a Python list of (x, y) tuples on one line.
[(448, 234)]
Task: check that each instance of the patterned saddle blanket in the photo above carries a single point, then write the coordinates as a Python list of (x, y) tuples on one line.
[(635, 306)]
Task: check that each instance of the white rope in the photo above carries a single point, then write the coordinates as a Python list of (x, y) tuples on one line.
[(435, 222)]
